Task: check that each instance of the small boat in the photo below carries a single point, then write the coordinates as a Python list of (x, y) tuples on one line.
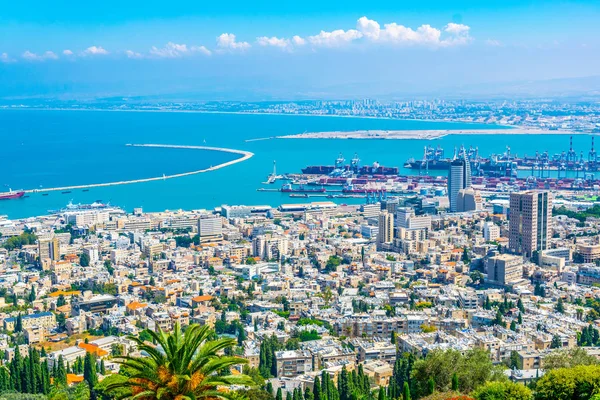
[(45, 194), (85, 190), (68, 191)]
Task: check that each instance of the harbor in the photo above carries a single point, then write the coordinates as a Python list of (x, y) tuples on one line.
[(494, 174), (245, 155)]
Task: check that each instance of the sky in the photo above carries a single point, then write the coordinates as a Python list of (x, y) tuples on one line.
[(265, 50)]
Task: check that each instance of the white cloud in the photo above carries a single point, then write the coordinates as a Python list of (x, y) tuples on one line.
[(201, 49), (455, 34), (174, 50), (67, 52), (457, 29), (5, 58), (368, 28), (273, 42), (227, 41), (132, 54), (298, 41), (48, 55), (95, 50), (335, 38), (458, 34), (493, 43)]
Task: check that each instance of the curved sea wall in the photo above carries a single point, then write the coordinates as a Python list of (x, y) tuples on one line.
[(245, 155)]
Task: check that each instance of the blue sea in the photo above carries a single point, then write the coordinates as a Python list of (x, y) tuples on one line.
[(40, 148)]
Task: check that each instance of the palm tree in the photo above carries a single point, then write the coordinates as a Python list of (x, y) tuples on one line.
[(183, 366)]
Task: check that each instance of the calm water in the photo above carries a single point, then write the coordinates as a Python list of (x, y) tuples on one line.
[(58, 148)]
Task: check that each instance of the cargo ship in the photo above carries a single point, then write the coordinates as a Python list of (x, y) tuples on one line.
[(288, 188), (342, 169), (12, 194)]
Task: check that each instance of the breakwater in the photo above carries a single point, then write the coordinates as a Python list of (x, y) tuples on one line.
[(245, 155)]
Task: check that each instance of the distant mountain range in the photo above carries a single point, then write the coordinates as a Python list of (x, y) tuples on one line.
[(565, 89)]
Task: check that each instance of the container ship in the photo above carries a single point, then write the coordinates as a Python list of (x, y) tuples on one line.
[(288, 188), (12, 194), (342, 169)]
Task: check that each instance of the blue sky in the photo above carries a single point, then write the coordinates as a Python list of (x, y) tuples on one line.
[(276, 49)]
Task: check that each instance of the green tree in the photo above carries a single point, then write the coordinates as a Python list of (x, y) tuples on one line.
[(501, 391), (19, 323), (472, 370), (406, 391), (579, 383), (183, 365), (556, 342), (89, 370), (32, 295), (84, 260), (568, 358), (430, 385), (454, 386), (560, 307)]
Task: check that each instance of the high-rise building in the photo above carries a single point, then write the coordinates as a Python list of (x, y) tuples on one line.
[(459, 177), (530, 222), (385, 233), (210, 228), (406, 218), (49, 249), (468, 200)]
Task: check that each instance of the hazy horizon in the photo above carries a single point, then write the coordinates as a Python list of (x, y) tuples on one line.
[(267, 50)]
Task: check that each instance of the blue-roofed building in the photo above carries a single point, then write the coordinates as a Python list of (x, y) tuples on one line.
[(43, 319)]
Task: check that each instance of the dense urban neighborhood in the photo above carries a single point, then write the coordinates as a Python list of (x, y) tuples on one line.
[(318, 300)]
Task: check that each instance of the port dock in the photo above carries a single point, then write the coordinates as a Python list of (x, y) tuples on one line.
[(245, 155)]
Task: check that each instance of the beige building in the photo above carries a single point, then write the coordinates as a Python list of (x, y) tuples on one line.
[(386, 229), (42, 320), (589, 252), (504, 269), (468, 200), (530, 221), (292, 363)]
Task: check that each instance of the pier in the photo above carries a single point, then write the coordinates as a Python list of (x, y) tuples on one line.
[(245, 155)]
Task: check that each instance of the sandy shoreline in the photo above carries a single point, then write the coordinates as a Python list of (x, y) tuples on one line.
[(427, 134)]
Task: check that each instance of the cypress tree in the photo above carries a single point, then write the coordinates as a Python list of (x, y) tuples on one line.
[(381, 394), (520, 306), (430, 385), (343, 385), (4, 378), (19, 323), (89, 370), (308, 395), (269, 388), (317, 389), (406, 392), (455, 382), (288, 396), (26, 386), (279, 395), (46, 377), (61, 372)]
